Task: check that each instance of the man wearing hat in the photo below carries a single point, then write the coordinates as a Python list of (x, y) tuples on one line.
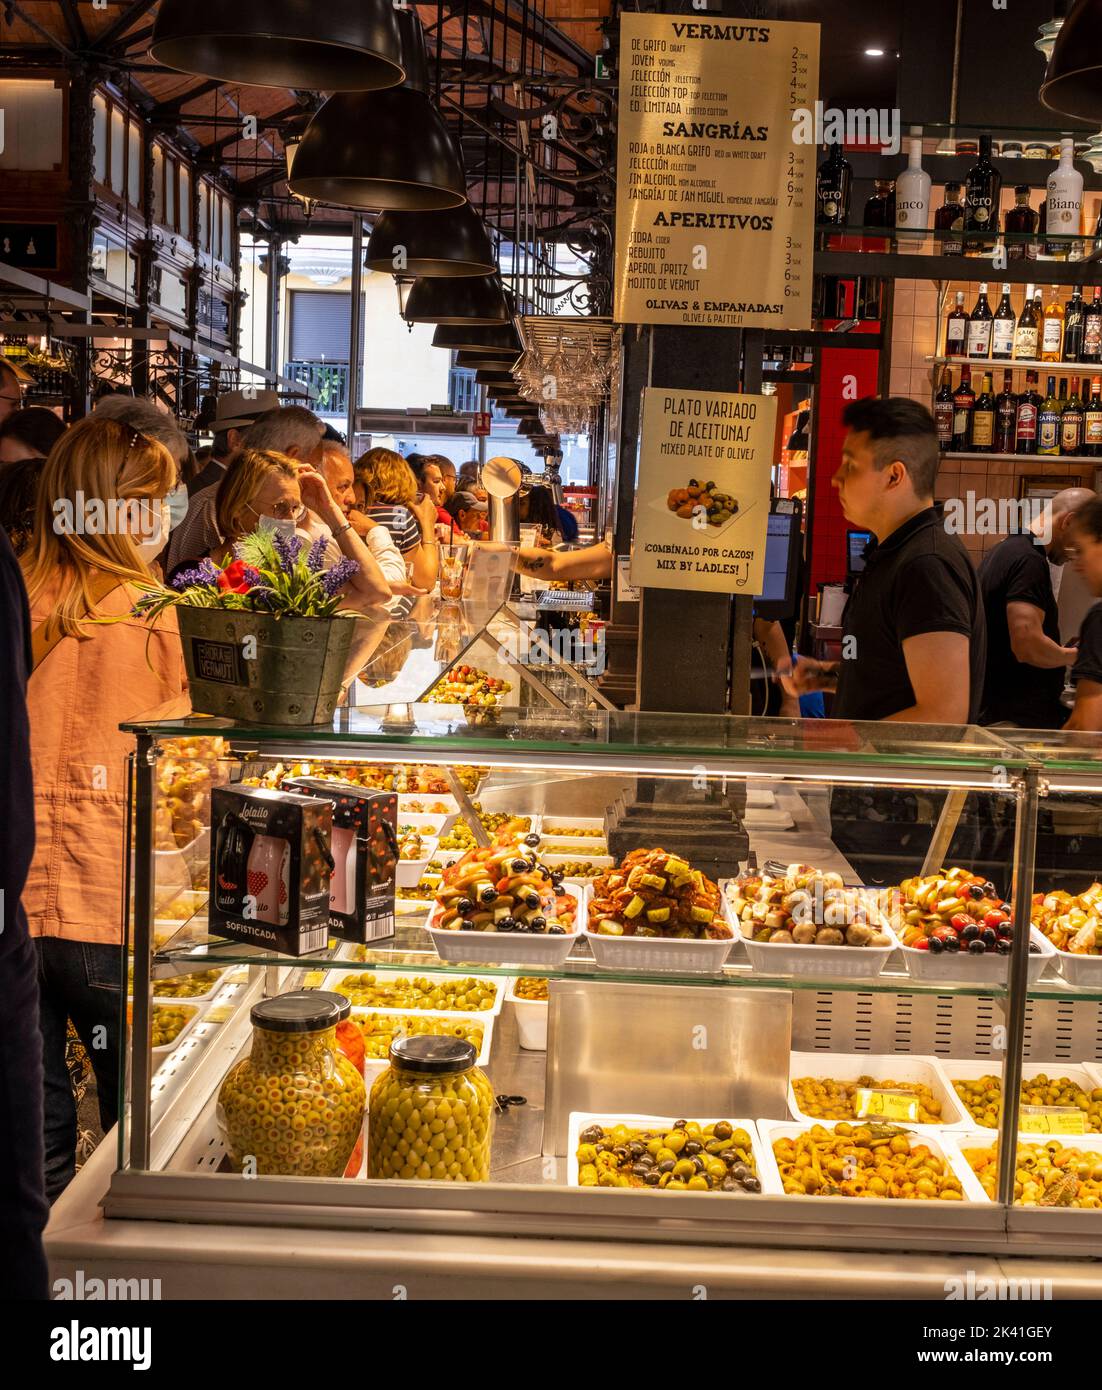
[(468, 512), (236, 411)]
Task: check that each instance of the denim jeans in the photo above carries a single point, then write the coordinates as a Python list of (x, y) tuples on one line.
[(78, 980)]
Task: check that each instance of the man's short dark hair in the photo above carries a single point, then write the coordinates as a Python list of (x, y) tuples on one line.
[(35, 428), (1088, 519), (898, 429)]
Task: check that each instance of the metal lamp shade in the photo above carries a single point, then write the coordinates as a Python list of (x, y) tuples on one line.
[(469, 337), (453, 242), (282, 43), (501, 379), (530, 427), (458, 300), (1073, 80), (488, 359)]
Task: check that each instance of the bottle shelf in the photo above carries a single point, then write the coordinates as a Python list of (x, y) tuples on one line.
[(1024, 458), (1026, 364), (897, 265)]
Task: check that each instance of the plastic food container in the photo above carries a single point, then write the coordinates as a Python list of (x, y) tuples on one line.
[(531, 1016), (1084, 972), (374, 1065), (940, 1142), (295, 1105), (986, 1138), (673, 955), (959, 968), (333, 980), (581, 1120), (848, 1066), (557, 861), (409, 871), (431, 1113), (426, 824), (1081, 1073), (558, 827), (159, 997), (510, 948)]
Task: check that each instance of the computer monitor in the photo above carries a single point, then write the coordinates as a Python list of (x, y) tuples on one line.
[(856, 543), (777, 599)]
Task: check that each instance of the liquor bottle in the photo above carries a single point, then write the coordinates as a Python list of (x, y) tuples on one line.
[(1092, 329), (1006, 415), (1048, 422), (1052, 328), (979, 327), (949, 218), (1092, 421), (1039, 246), (832, 185), (1065, 202), (943, 410), (1075, 312), (956, 329), (1071, 422), (1002, 328), (982, 437), (981, 202), (964, 398), (912, 197), (880, 212), (1025, 426), (1021, 222), (1026, 333)]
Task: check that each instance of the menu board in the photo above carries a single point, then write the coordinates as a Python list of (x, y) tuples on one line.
[(702, 499), (715, 198)]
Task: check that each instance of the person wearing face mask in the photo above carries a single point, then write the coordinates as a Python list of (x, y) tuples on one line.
[(145, 416), (337, 469), (86, 679), (265, 489)]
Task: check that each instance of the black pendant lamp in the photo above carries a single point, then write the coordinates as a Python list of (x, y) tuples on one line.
[(453, 242), (472, 337), (1073, 81), (282, 43), (457, 301), (486, 359), (387, 150), (495, 379)]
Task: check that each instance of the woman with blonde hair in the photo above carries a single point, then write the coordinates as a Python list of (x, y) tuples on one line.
[(263, 488), (100, 517), (387, 491)]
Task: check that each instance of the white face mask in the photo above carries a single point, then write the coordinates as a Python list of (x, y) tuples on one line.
[(157, 522), (279, 525), (177, 501)]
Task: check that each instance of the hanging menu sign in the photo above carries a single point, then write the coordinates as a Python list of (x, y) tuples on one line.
[(702, 497), (715, 192)]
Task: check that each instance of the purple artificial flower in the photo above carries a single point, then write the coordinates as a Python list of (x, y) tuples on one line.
[(316, 556), (337, 577), (288, 548), (205, 573)]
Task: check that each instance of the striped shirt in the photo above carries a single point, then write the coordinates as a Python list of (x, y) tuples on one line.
[(403, 526)]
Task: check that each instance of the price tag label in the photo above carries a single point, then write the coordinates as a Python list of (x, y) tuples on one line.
[(313, 979), (887, 1105), (221, 1013), (1051, 1119)]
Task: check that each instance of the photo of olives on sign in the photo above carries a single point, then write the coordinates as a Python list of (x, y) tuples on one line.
[(703, 504)]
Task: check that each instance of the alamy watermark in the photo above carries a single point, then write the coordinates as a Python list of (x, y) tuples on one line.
[(82, 515), (830, 125), (972, 515)]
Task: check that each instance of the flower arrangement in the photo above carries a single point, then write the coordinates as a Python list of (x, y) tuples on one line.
[(269, 573)]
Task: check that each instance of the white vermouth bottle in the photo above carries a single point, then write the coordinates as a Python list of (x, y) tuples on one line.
[(1065, 201), (912, 197)]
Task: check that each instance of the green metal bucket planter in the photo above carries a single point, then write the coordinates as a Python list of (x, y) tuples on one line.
[(261, 669)]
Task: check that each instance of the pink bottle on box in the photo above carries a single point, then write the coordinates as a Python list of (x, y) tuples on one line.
[(268, 879), (342, 885)]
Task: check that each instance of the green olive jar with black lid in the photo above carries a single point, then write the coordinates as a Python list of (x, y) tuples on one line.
[(294, 1107), (431, 1113)]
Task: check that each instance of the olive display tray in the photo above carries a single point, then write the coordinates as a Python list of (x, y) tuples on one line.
[(531, 1017), (557, 828), (962, 1139), (374, 1065), (960, 968), (204, 998), (939, 1141), (579, 1120), (1084, 972), (1082, 1073), (672, 955), (510, 948), (333, 978), (556, 861), (848, 1066), (409, 871), (196, 1010)]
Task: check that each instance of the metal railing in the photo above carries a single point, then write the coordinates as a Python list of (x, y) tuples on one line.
[(327, 383)]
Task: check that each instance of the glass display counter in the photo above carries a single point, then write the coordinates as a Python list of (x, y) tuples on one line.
[(781, 977)]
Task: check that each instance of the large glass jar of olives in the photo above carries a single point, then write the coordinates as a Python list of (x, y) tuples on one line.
[(430, 1113), (295, 1105)]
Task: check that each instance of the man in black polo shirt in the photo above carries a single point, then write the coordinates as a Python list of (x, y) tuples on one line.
[(1084, 547), (1025, 660), (913, 633)]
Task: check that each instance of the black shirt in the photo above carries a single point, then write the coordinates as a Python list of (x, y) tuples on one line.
[(1088, 667), (918, 580), (1017, 571)]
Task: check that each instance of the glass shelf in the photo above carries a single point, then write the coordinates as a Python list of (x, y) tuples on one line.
[(1023, 458), (1019, 363)]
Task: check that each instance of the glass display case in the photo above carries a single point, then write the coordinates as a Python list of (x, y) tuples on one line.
[(797, 1006)]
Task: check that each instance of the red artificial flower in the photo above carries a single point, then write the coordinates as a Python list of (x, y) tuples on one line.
[(237, 578)]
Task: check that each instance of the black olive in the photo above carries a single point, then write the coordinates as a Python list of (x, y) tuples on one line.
[(970, 932), (937, 945), (519, 866), (507, 924), (698, 1164), (667, 1166), (977, 891), (1034, 949), (653, 1177), (752, 1184), (691, 1148), (521, 925), (1005, 907), (635, 1148), (951, 944), (556, 930), (488, 894), (464, 906), (532, 839), (621, 1151), (740, 1172), (638, 1171), (466, 925), (723, 1130), (556, 878), (680, 1124), (591, 1135), (989, 936), (976, 947), (989, 890), (1003, 947)]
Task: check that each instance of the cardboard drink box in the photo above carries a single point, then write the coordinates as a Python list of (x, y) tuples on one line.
[(365, 855), (270, 869)]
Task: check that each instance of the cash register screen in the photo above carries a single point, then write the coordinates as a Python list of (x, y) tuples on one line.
[(777, 599)]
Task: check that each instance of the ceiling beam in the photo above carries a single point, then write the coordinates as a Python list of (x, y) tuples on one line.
[(129, 17), (51, 39), (73, 22), (173, 105), (215, 148)]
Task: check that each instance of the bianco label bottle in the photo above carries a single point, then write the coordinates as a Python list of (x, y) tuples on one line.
[(1065, 201), (912, 196)]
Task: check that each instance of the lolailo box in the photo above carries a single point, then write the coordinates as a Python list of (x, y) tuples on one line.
[(271, 868), (365, 857)]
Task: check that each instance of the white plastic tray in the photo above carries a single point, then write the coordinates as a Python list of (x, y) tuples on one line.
[(848, 1066), (939, 1141), (580, 1120), (531, 1016), (554, 827), (963, 969), (556, 861), (962, 1139), (1083, 972), (673, 955), (484, 1021), (191, 998), (1082, 1073), (510, 948), (414, 972), (197, 1011), (409, 871), (413, 907)]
